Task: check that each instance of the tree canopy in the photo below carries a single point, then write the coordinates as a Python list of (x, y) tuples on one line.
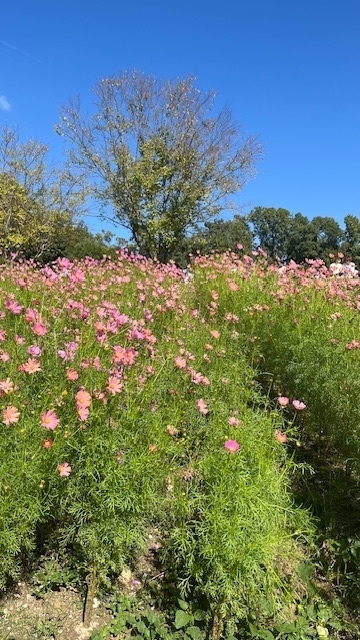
[(158, 155)]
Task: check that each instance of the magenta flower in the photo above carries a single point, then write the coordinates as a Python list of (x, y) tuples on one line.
[(298, 405), (283, 401), (34, 351), (232, 446), (64, 469), (50, 420), (13, 306)]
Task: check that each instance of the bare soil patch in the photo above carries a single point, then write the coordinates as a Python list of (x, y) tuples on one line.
[(56, 616)]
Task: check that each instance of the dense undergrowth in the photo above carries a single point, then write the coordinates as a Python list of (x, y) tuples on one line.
[(209, 425)]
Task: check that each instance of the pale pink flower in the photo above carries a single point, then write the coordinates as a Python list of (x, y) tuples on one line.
[(31, 315), (83, 399), (19, 340), (64, 469), (202, 406), (233, 422), (50, 420), (114, 385), (31, 366), (124, 356), (232, 446), (280, 436), (180, 362), (72, 374), (283, 401), (11, 415), (83, 413), (172, 431), (298, 405), (39, 329), (7, 386), (215, 334), (47, 444)]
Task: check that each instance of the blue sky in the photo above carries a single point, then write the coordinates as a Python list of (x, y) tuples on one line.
[(289, 70)]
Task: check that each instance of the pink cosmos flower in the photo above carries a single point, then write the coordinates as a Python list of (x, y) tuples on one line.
[(180, 362), (124, 356), (13, 306), (11, 415), (233, 422), (49, 420), (202, 406), (7, 386), (114, 385), (172, 431), (47, 444), (215, 334), (39, 329), (34, 350), (280, 436), (19, 340), (283, 401), (232, 446), (83, 413), (64, 469), (298, 405), (71, 374), (83, 399), (31, 366)]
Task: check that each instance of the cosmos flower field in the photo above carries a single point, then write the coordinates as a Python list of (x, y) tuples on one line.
[(135, 402)]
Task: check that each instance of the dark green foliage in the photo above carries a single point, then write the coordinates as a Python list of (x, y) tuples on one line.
[(271, 229)]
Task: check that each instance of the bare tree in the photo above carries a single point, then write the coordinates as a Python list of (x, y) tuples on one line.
[(155, 152), (51, 186)]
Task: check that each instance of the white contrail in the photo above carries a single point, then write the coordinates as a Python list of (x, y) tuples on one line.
[(6, 44), (24, 53)]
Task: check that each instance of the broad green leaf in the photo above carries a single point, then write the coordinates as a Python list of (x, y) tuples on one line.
[(182, 619)]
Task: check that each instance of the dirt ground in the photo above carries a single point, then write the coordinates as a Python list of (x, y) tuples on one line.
[(57, 616)]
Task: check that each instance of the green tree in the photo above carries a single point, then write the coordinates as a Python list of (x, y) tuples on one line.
[(25, 227), (351, 245), (159, 156), (302, 240), (329, 235), (36, 199), (271, 228)]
